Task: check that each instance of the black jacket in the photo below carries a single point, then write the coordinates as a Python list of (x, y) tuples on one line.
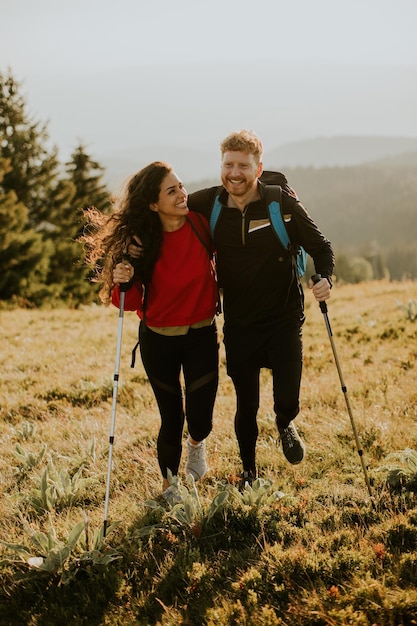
[(254, 270)]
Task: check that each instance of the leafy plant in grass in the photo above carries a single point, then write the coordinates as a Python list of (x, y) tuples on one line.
[(28, 460), (58, 489), (87, 458), (257, 494), (27, 431), (191, 516), (401, 469), (52, 556), (410, 310)]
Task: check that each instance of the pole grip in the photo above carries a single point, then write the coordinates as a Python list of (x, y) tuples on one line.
[(125, 286), (316, 278)]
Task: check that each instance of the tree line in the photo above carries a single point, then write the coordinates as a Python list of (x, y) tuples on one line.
[(368, 213), (41, 209)]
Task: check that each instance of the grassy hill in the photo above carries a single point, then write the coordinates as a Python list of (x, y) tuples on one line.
[(340, 150), (307, 546)]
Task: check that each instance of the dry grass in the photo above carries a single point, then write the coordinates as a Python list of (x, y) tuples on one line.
[(55, 390)]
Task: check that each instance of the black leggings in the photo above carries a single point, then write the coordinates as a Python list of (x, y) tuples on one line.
[(278, 346), (197, 354)]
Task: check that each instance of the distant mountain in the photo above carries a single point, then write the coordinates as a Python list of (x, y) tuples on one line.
[(361, 206), (339, 151), (404, 159), (193, 165)]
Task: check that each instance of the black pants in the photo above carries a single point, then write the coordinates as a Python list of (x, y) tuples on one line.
[(276, 345), (163, 358)]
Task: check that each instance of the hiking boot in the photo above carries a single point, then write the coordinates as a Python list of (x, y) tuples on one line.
[(246, 477), (172, 495), (196, 463), (292, 445)]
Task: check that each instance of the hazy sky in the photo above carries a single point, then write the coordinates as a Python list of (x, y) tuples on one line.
[(82, 35), (125, 75)]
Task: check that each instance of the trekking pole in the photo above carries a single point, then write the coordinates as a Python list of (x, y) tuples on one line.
[(323, 306), (123, 288)]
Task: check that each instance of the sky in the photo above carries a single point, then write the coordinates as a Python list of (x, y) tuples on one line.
[(111, 73), (83, 35)]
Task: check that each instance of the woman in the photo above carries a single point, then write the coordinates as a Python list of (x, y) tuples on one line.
[(172, 287)]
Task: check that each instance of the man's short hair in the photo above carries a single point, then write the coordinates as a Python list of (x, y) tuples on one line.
[(243, 141)]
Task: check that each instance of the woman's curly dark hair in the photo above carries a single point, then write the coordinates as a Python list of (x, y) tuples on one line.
[(107, 237)]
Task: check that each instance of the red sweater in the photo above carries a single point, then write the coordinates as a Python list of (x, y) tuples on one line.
[(183, 290)]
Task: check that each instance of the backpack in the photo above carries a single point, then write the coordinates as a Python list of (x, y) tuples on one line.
[(274, 183)]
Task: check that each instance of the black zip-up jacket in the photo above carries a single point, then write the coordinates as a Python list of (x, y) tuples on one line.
[(254, 270)]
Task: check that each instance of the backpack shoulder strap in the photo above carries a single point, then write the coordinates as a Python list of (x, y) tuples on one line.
[(193, 217), (215, 211), (274, 203), (207, 243)]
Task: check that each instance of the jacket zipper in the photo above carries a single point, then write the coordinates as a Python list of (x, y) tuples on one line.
[(244, 225)]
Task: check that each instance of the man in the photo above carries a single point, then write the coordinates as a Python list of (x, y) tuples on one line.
[(263, 299)]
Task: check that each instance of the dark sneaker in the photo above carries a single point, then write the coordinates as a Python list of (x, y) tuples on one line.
[(292, 445), (246, 477)]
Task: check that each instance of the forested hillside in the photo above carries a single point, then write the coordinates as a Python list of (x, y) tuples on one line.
[(357, 205), (368, 212)]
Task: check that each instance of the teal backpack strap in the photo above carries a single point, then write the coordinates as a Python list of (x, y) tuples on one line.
[(275, 215), (215, 211), (301, 261)]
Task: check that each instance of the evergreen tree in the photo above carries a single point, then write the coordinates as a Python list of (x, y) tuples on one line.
[(87, 177), (33, 168), (47, 204), (24, 255), (68, 269)]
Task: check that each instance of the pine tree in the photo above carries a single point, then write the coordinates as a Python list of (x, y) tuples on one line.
[(47, 202), (87, 177), (24, 255), (33, 168), (84, 176)]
